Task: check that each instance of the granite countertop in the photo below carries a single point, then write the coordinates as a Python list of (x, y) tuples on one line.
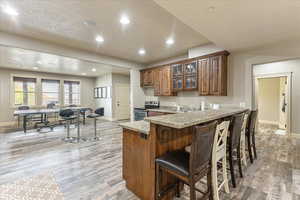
[(138, 126), (183, 120), (165, 109)]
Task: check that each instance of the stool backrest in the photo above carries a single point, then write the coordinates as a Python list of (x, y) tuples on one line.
[(50, 105), (201, 148), (23, 108), (100, 111), (236, 130), (220, 140), (66, 113), (252, 122)]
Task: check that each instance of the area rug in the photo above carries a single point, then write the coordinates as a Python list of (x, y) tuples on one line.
[(40, 187)]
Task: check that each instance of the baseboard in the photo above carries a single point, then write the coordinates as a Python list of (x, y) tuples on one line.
[(269, 122)]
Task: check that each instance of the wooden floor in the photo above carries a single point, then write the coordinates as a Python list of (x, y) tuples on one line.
[(92, 170)]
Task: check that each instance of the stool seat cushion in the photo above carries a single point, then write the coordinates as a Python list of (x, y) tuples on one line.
[(69, 118), (93, 115), (177, 161)]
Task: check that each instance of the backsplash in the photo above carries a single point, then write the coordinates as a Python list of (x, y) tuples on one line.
[(192, 99)]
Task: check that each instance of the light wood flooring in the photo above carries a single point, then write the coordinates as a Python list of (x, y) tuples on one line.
[(93, 170)]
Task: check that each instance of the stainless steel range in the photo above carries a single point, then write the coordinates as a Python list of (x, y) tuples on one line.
[(141, 113)]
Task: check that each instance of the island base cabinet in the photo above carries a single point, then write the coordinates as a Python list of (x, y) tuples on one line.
[(137, 173)]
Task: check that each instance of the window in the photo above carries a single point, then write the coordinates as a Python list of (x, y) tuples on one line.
[(50, 91), (72, 92), (24, 91)]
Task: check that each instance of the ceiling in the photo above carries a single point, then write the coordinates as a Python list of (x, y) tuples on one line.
[(63, 22), (239, 25), (16, 58)]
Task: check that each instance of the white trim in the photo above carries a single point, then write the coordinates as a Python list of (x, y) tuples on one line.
[(268, 122), (289, 99)]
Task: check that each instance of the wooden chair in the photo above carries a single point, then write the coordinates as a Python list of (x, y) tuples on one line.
[(219, 157), (250, 133), (189, 168), (234, 145)]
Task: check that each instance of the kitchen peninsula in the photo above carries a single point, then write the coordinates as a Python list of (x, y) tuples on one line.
[(143, 141)]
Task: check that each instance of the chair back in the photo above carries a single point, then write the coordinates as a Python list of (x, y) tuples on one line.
[(252, 122), (66, 113), (220, 140), (236, 130), (245, 123), (50, 105), (100, 111), (23, 108), (201, 148)]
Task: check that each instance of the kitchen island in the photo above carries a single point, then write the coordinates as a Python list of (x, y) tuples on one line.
[(143, 141)]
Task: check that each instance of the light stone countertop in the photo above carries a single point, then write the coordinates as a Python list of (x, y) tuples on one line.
[(171, 110), (183, 120), (138, 126)]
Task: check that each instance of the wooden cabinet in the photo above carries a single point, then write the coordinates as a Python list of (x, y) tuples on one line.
[(207, 74), (162, 81), (147, 78), (190, 81), (203, 73), (213, 76)]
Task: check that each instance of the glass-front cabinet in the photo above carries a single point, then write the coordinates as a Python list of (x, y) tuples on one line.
[(178, 83), (177, 77), (190, 82), (190, 68)]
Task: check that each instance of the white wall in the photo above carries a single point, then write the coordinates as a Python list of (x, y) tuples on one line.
[(268, 100), (7, 108)]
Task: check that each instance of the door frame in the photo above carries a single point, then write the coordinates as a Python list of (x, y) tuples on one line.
[(288, 75)]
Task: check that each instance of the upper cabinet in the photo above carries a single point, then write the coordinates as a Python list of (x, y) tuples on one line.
[(212, 73), (147, 78), (207, 74), (162, 81)]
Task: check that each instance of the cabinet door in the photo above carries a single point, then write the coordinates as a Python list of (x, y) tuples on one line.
[(157, 82), (166, 81), (177, 83), (190, 82), (218, 76), (149, 77), (177, 69), (190, 68), (204, 76)]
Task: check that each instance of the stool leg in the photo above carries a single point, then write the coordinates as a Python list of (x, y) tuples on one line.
[(95, 130), (68, 138)]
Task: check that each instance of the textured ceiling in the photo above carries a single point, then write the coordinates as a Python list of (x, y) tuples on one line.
[(62, 22), (239, 25), (16, 58)]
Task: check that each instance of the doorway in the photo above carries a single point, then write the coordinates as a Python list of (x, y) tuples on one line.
[(272, 97), (122, 101)]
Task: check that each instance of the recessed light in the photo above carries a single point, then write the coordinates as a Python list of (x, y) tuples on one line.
[(99, 39), (9, 10), (83, 74), (124, 20), (170, 41), (35, 68), (142, 52), (211, 9), (94, 69), (39, 62)]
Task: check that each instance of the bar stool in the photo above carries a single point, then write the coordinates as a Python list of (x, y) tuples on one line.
[(250, 133), (67, 115), (219, 157), (98, 113), (189, 168), (234, 145)]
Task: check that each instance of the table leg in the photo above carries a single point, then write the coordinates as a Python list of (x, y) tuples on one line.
[(83, 118), (78, 126)]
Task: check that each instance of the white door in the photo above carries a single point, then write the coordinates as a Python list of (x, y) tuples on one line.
[(122, 101), (283, 106)]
